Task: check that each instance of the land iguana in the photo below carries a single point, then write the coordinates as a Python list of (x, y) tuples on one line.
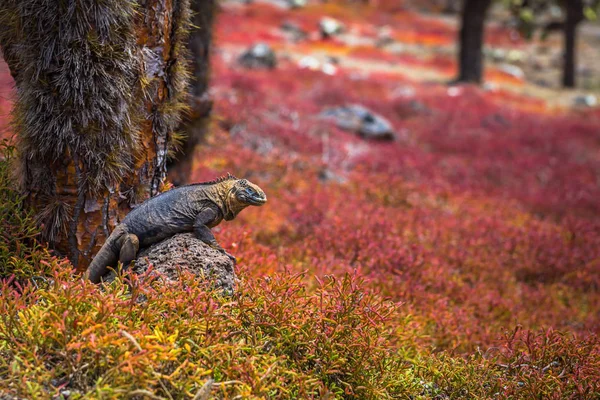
[(191, 208)]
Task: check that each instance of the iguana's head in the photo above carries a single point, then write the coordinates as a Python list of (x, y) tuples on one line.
[(247, 193), (238, 194)]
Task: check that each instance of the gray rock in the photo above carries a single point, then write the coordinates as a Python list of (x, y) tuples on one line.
[(543, 83), (360, 120), (585, 101), (512, 70), (384, 36), (259, 56), (330, 27), (293, 31), (296, 3), (184, 252)]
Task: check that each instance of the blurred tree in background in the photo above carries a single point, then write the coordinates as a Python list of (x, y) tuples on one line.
[(530, 15), (196, 121), (574, 15), (100, 86), (470, 57)]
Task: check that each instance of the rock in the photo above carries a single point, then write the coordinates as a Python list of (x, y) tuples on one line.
[(454, 91), (515, 56), (293, 31), (360, 120), (327, 175), (329, 69), (512, 70), (310, 62), (384, 36), (330, 27), (314, 64), (410, 108), (258, 56), (543, 83), (184, 252), (490, 86), (296, 3), (496, 54), (588, 100)]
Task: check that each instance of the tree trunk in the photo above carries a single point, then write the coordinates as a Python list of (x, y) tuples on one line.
[(100, 86), (470, 57), (197, 120), (574, 11)]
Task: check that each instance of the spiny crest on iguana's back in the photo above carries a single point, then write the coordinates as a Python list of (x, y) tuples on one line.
[(220, 179)]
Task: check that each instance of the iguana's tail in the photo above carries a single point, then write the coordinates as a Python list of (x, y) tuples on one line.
[(107, 256)]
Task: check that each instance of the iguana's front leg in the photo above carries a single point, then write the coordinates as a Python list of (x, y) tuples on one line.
[(207, 217)]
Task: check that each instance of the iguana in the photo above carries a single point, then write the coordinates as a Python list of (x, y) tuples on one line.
[(191, 208)]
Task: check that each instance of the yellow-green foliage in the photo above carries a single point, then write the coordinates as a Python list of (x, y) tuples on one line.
[(271, 340), (20, 254)]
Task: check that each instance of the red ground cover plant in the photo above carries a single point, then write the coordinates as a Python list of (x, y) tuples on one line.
[(482, 215)]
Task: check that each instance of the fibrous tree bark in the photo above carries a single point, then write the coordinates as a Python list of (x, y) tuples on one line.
[(574, 15), (470, 57), (99, 89)]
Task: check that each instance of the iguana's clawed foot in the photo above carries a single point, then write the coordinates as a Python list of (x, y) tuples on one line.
[(231, 257), (222, 250)]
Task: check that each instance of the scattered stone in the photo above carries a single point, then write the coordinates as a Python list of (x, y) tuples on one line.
[(543, 83), (490, 86), (512, 70), (497, 55), (312, 63), (309, 62), (537, 65), (556, 12), (454, 91), (515, 56), (588, 100), (296, 3), (330, 27), (327, 175), (258, 56), (384, 37), (293, 31), (184, 252), (329, 69), (332, 60), (360, 120), (396, 48), (406, 108)]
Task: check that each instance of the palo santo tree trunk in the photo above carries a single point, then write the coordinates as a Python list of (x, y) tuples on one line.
[(100, 86)]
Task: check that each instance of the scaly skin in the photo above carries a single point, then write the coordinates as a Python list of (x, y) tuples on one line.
[(193, 208)]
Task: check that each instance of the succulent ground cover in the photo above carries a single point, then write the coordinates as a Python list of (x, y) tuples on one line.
[(461, 260)]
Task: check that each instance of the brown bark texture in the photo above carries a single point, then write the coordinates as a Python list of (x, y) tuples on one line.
[(100, 87)]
